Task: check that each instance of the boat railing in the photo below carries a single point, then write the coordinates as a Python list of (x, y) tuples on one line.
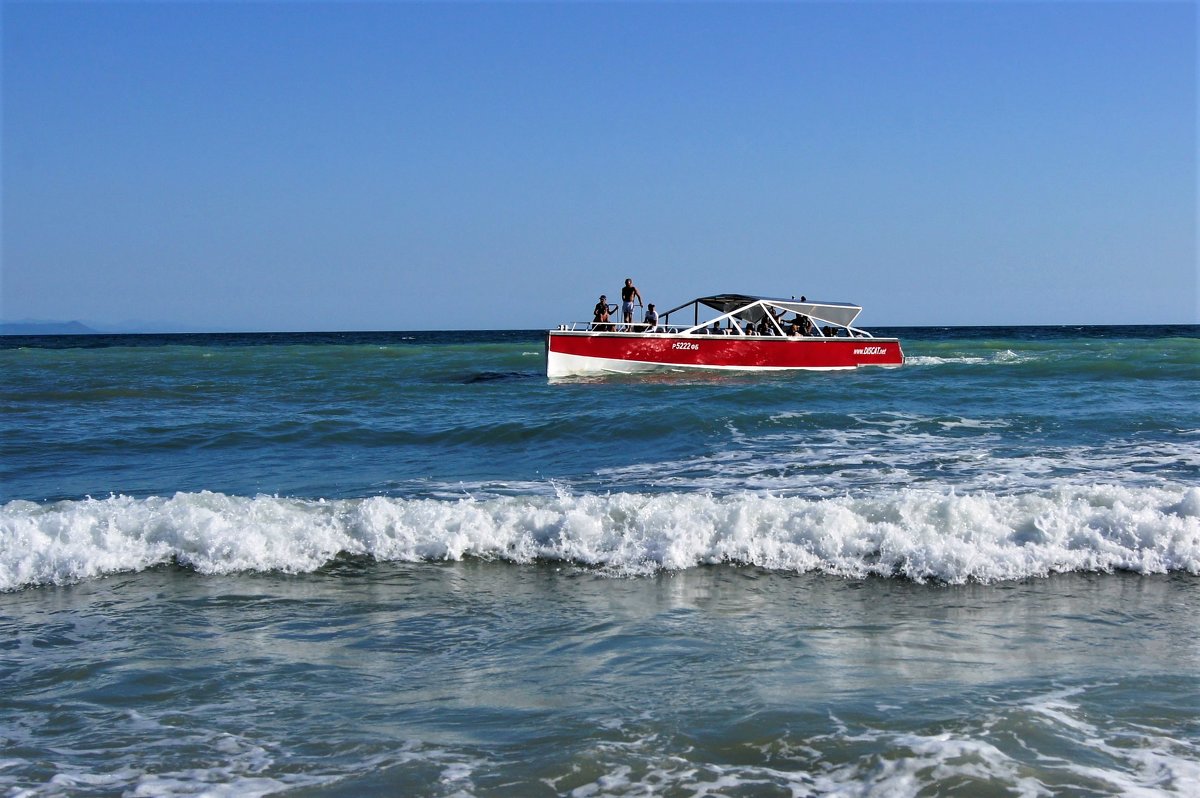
[(698, 330), (615, 326)]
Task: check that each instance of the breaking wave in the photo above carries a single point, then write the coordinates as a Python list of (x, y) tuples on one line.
[(922, 535)]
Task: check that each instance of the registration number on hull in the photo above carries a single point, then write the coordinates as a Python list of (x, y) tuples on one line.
[(685, 345)]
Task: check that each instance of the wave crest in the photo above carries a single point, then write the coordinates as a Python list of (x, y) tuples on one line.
[(916, 534)]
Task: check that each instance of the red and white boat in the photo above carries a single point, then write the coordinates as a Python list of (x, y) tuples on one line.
[(738, 332)]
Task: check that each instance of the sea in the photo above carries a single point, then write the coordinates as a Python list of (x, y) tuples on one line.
[(407, 564)]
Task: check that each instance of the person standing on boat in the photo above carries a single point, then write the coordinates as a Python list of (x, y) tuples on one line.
[(651, 317), (627, 295)]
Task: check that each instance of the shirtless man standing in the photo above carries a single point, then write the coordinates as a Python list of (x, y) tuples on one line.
[(627, 295)]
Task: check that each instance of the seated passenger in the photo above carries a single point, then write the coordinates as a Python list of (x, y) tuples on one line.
[(651, 318), (600, 314)]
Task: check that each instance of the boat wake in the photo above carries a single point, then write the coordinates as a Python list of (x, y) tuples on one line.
[(922, 535)]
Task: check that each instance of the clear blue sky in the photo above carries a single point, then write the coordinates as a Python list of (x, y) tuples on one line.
[(379, 166)]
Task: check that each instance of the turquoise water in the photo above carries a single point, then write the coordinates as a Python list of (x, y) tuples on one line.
[(405, 563)]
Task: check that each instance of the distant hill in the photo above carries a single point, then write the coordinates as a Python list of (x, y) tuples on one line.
[(45, 328)]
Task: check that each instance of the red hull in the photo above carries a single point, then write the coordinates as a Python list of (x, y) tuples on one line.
[(584, 353)]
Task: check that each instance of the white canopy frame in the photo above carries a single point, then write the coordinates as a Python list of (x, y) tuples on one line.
[(740, 309)]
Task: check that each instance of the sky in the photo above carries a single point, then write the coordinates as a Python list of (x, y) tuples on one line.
[(255, 166)]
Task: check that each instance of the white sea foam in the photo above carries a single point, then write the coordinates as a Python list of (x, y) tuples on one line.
[(1035, 747), (1154, 762), (913, 533), (239, 774), (900, 448)]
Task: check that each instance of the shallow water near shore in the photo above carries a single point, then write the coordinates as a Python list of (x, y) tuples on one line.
[(407, 564), (491, 679)]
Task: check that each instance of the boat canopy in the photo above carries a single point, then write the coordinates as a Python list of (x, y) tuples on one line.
[(754, 308)]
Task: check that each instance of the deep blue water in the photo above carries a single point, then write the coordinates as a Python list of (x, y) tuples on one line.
[(406, 563)]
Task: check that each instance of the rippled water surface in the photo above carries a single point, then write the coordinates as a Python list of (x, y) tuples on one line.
[(405, 563)]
